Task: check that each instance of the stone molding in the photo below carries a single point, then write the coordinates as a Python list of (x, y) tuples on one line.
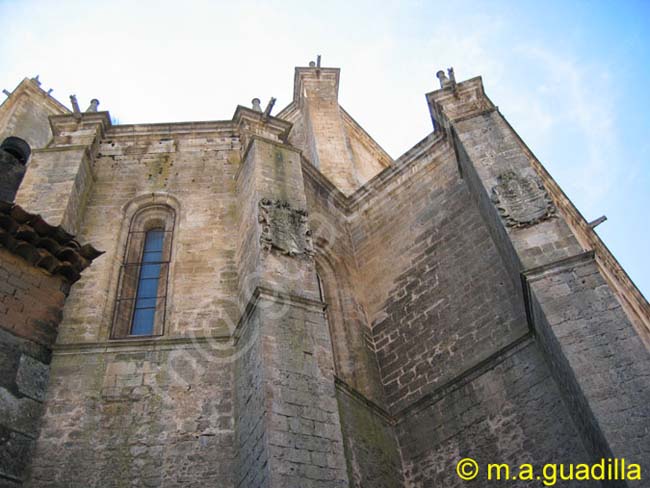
[(137, 344), (277, 296), (465, 377), (352, 392)]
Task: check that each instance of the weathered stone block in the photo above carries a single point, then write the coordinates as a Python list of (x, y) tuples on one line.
[(32, 377), (20, 414), (15, 452)]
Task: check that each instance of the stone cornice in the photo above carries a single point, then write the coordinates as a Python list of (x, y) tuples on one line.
[(466, 100), (71, 123), (460, 381), (171, 128), (274, 126), (434, 145)]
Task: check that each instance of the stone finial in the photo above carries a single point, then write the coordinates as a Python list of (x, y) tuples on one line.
[(442, 77), (75, 104), (315, 64), (447, 81), (35, 79), (6, 92), (256, 104), (94, 103)]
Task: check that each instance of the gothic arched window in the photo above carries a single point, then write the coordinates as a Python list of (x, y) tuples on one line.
[(142, 290)]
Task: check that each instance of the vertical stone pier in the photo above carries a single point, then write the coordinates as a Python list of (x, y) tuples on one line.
[(587, 337), (316, 92), (288, 431), (60, 177)]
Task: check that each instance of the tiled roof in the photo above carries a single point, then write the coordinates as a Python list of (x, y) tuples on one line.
[(43, 245)]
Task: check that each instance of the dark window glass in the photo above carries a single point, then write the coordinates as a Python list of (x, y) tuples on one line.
[(145, 300)]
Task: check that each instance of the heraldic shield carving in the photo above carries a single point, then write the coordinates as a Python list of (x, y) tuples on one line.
[(284, 228), (522, 200)]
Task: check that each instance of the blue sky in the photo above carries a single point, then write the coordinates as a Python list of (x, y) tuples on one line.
[(571, 77)]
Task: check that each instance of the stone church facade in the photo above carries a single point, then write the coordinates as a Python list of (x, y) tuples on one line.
[(279, 303)]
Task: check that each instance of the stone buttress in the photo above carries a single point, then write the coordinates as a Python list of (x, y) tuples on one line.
[(332, 317)]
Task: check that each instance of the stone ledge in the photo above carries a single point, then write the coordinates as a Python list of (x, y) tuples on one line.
[(254, 138), (350, 204), (260, 293), (170, 128), (554, 267), (61, 148), (429, 399), (355, 394), (136, 344), (466, 377)]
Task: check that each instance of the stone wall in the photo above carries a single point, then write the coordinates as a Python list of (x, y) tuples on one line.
[(591, 342), (352, 343), (251, 437), (371, 448), (507, 411), (303, 431), (445, 303), (151, 410), (30, 310), (446, 319), (327, 325), (192, 170), (137, 414)]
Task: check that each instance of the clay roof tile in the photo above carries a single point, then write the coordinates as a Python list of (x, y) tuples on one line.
[(46, 246)]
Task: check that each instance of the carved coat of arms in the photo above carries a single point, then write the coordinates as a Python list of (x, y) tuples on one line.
[(284, 228), (521, 200)]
